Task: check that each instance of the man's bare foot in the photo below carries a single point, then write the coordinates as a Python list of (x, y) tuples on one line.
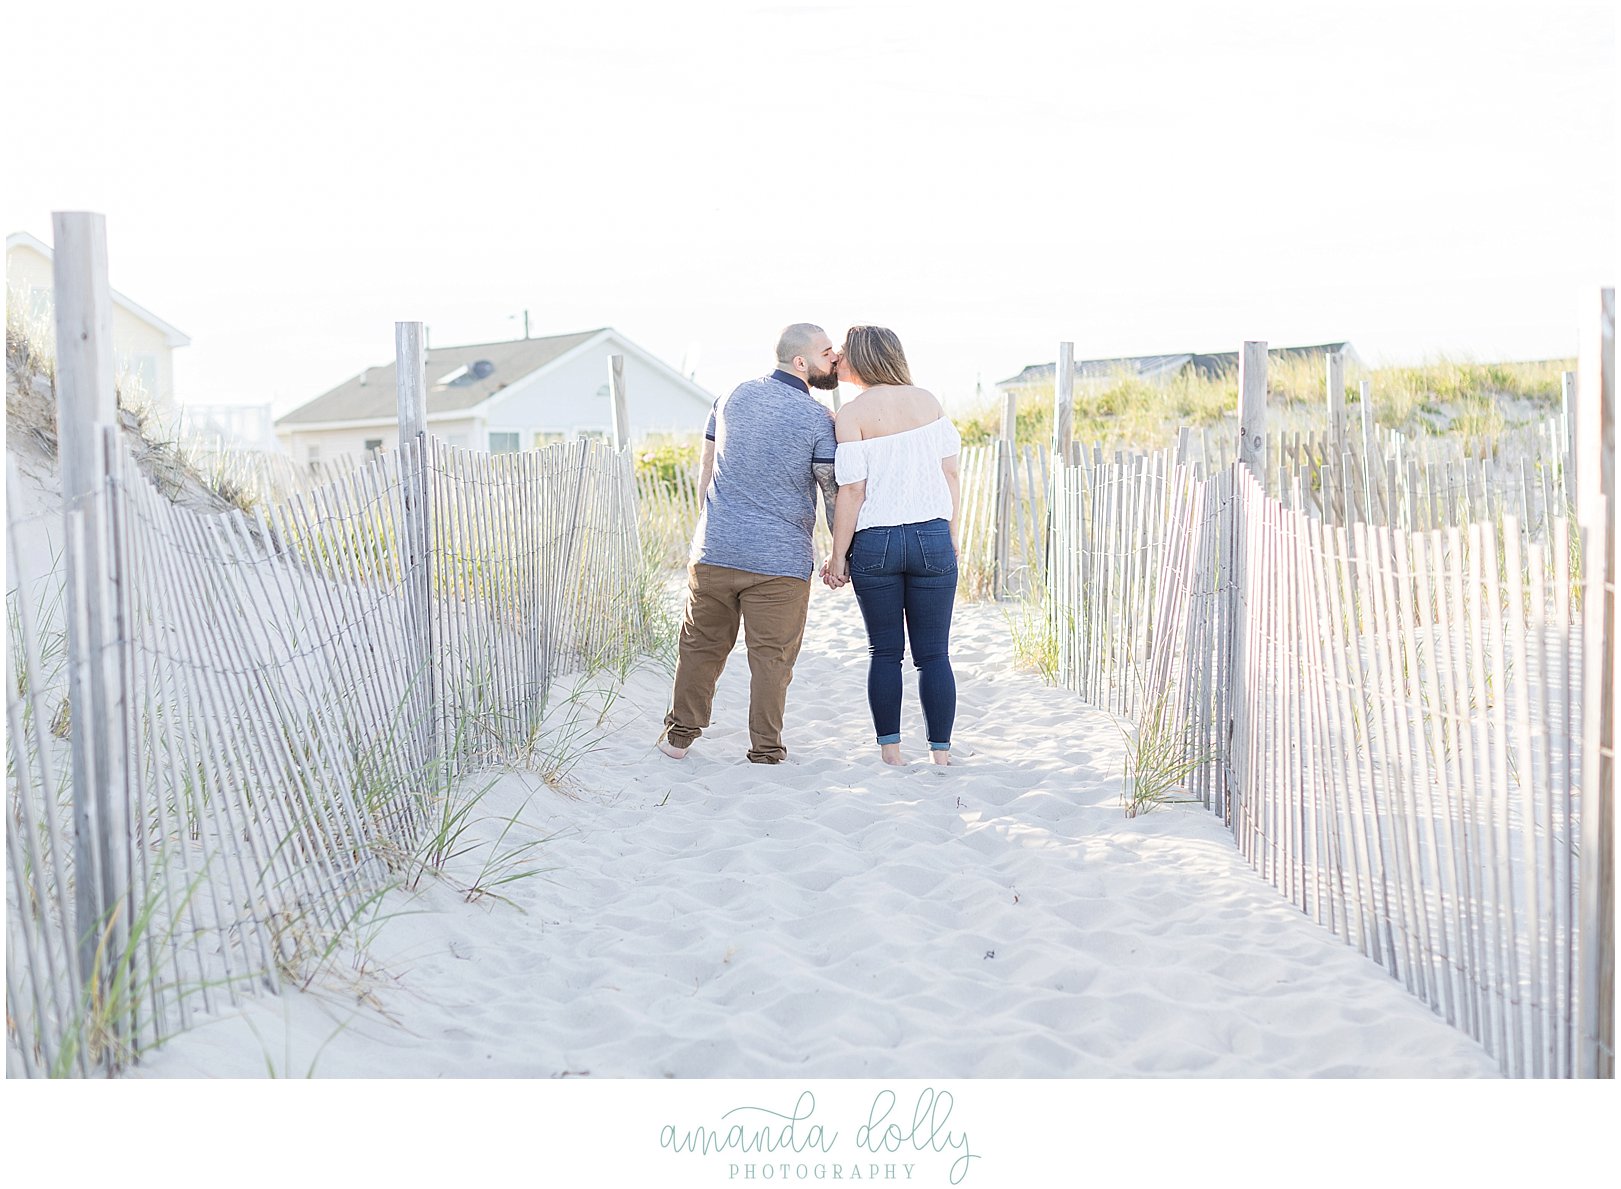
[(671, 750), (891, 753)]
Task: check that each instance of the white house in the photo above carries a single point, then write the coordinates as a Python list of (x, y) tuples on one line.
[(143, 343), (504, 397)]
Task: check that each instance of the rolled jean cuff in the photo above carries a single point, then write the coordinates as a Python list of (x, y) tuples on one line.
[(886, 739), (933, 746)]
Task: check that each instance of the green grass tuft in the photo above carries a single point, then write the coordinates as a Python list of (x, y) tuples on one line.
[(1160, 757)]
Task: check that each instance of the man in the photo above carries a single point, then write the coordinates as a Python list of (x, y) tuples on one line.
[(767, 448)]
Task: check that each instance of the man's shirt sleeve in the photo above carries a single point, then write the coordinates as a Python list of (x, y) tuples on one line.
[(826, 448)]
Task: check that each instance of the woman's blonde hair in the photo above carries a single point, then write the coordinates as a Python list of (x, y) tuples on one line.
[(875, 354)]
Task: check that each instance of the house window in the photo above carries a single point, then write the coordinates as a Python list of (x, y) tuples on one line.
[(146, 371), (592, 435), (504, 443), (546, 437), (373, 445), (312, 454)]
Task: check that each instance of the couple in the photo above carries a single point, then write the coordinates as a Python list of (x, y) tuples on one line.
[(887, 467)]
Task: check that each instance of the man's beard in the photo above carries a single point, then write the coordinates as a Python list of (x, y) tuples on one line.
[(827, 382)]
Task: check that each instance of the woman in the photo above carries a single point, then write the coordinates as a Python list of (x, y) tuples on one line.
[(895, 533)]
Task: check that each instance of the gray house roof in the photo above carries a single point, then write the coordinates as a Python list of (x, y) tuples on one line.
[(1208, 366), (458, 379)]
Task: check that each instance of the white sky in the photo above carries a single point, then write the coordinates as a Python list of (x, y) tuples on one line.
[(283, 182)]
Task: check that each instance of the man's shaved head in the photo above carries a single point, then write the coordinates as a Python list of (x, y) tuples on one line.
[(796, 340)]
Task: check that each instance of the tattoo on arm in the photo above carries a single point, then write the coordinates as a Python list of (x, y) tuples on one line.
[(830, 489)]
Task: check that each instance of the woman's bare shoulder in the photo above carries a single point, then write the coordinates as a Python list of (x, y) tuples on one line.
[(915, 396), (847, 422), (922, 401)]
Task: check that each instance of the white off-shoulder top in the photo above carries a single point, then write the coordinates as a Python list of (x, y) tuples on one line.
[(905, 484)]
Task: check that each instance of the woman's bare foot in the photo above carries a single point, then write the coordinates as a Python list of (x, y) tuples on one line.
[(891, 753), (671, 750), (943, 758)]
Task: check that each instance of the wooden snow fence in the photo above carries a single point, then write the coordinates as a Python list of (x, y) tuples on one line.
[(1003, 490), (264, 476), (1386, 477), (1388, 698), (230, 733), (285, 739), (1388, 721)]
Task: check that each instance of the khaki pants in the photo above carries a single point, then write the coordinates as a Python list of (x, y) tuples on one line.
[(772, 610)]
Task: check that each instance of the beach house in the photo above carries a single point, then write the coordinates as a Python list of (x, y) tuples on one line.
[(504, 397), (143, 343)]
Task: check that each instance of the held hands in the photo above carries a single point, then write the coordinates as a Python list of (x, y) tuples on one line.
[(835, 572)]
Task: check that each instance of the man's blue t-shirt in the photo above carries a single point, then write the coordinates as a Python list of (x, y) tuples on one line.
[(760, 510)]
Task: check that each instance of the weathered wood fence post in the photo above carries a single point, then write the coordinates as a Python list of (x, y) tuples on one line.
[(415, 530), (86, 408), (1063, 451), (616, 394), (627, 554), (1064, 405), (1370, 438), (1595, 513), (1252, 409), (1567, 413), (1336, 403), (1004, 495), (1234, 569), (1337, 443), (563, 619)]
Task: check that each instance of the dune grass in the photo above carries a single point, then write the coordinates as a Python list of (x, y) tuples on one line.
[(1033, 633), (185, 471), (1161, 757), (1443, 396)]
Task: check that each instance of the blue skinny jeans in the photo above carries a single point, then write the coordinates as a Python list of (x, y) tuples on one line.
[(905, 579)]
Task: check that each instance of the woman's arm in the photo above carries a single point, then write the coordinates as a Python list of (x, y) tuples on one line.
[(845, 512), (949, 466), (847, 505)]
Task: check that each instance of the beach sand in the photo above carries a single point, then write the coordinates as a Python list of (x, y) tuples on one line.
[(834, 918)]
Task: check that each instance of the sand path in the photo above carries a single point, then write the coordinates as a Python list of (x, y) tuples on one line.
[(830, 917)]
